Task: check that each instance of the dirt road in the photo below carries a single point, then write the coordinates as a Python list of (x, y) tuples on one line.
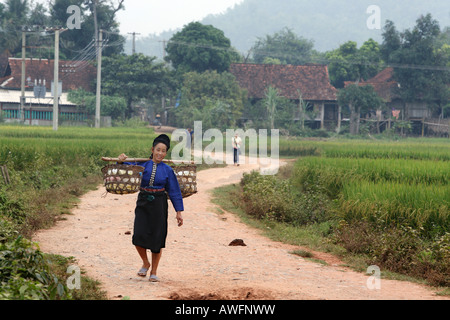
[(197, 262)]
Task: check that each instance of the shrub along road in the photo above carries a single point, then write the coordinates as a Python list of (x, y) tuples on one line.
[(198, 262)]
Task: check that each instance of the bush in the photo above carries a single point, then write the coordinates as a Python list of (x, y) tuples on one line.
[(11, 206), (261, 197), (25, 275), (7, 230), (269, 197), (398, 249)]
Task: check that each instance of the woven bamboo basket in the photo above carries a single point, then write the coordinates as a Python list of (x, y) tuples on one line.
[(187, 178), (126, 179), (122, 179)]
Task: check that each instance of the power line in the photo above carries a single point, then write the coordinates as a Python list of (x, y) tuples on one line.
[(83, 59), (79, 52), (321, 61), (87, 56)]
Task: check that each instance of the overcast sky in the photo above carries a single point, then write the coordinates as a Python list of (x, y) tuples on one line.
[(154, 16)]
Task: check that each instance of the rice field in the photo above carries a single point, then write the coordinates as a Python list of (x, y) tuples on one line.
[(412, 148), (24, 148), (404, 181), (408, 185)]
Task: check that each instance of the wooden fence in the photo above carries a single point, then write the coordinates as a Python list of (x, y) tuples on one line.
[(5, 174)]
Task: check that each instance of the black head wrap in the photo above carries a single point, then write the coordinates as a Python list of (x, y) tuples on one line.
[(162, 139)]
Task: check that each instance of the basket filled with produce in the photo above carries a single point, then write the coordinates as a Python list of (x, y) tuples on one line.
[(122, 179), (187, 178), (126, 179)]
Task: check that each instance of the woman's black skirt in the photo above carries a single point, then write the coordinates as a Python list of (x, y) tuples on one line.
[(150, 223)]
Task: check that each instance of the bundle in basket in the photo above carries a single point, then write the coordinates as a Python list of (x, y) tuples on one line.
[(122, 179), (187, 178)]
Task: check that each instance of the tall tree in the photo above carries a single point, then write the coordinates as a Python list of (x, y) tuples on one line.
[(95, 15), (14, 15), (199, 48), (271, 103), (212, 97), (391, 41), (284, 46), (370, 59), (39, 15), (348, 63), (134, 77), (113, 106), (359, 99), (419, 66), (17, 10)]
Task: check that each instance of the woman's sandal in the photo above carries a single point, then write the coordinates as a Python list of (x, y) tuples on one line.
[(142, 273), (153, 278)]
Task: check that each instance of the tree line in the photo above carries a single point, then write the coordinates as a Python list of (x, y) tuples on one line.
[(420, 57), (19, 15), (193, 82)]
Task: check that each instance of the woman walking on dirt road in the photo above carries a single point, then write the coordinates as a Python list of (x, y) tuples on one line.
[(150, 224)]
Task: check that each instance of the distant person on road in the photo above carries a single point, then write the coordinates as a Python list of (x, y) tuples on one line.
[(236, 143), (188, 139), (158, 121)]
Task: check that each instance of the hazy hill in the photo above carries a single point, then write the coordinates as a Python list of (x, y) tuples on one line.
[(328, 22)]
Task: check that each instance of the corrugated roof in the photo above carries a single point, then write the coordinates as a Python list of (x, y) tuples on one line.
[(13, 96)]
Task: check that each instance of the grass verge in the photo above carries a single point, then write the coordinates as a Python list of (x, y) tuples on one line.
[(315, 237)]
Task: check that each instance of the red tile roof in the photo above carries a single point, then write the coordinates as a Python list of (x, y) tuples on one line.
[(313, 81), (383, 83), (73, 74)]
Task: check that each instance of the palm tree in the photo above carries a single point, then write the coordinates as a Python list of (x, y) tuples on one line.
[(271, 102), (17, 9), (13, 19), (303, 107)]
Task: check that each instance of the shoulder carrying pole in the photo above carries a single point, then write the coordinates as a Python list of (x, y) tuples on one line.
[(145, 160)]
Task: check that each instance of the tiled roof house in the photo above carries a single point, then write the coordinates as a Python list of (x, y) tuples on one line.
[(386, 87), (383, 84), (417, 112), (312, 81), (73, 75)]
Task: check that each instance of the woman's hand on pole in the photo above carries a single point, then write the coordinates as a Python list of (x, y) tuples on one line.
[(122, 157)]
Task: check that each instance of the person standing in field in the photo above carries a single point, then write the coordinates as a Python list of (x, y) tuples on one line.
[(151, 213), (236, 143)]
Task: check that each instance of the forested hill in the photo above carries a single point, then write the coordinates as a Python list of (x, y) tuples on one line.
[(328, 23)]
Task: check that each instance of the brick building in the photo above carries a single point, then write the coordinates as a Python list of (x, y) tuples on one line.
[(39, 73)]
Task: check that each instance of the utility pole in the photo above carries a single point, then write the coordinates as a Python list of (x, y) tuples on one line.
[(99, 78), (134, 41), (38, 29), (163, 98), (56, 83), (22, 96)]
